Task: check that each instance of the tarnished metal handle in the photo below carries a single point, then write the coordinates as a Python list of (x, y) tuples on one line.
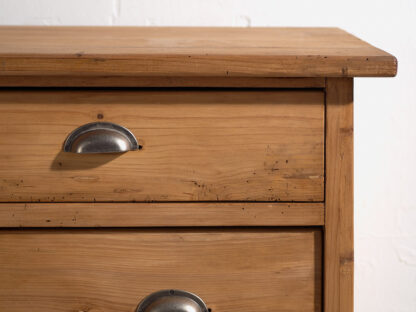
[(172, 301), (101, 137)]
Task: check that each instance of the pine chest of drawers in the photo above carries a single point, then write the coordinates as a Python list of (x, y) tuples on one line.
[(178, 169)]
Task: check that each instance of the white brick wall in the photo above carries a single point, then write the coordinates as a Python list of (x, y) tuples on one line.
[(385, 112)]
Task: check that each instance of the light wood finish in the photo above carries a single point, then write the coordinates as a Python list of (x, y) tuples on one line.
[(151, 82), (94, 270), (339, 222), (259, 52), (160, 214), (258, 145), (242, 193)]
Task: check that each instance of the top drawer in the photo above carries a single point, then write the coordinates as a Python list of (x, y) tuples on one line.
[(198, 145)]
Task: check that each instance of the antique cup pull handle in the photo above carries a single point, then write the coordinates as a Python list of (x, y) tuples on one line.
[(100, 137), (172, 301)]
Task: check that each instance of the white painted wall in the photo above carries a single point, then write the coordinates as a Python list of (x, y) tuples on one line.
[(385, 112)]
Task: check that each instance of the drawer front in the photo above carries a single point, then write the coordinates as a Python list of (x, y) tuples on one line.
[(113, 270), (212, 145)]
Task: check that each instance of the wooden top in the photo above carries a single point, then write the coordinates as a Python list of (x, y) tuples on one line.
[(139, 51)]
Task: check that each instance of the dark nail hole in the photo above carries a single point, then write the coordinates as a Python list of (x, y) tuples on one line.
[(100, 116), (140, 147)]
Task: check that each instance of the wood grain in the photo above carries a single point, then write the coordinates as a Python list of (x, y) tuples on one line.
[(95, 270), (137, 81), (339, 221), (170, 51), (160, 214), (216, 145)]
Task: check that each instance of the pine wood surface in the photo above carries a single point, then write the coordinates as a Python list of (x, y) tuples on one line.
[(156, 82), (339, 199), (188, 51), (113, 270), (160, 214), (198, 145)]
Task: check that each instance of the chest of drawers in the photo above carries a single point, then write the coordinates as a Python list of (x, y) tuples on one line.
[(178, 169)]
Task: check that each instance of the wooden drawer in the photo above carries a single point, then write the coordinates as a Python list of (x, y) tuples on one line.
[(238, 132), (198, 145), (112, 270)]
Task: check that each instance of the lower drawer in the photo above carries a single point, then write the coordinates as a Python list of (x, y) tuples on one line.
[(95, 270)]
